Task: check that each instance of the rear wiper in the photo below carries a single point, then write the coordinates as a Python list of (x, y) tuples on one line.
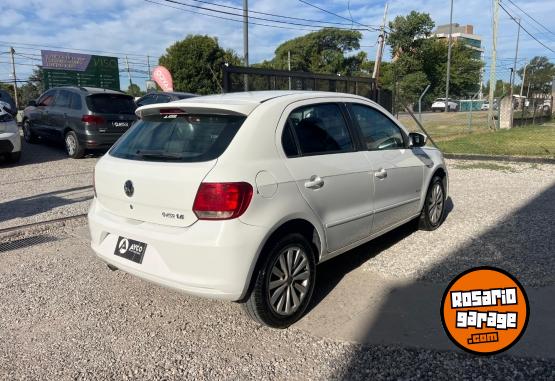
[(158, 154)]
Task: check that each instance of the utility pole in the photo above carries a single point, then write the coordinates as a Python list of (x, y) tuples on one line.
[(128, 71), (12, 51), (148, 65), (523, 78), (449, 59), (379, 51), (513, 72), (246, 39), (493, 62)]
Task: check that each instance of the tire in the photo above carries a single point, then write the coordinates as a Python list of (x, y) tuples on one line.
[(74, 149), (259, 306), (28, 134), (13, 157), (433, 212)]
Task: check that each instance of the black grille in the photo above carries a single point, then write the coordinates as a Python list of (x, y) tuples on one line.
[(6, 146)]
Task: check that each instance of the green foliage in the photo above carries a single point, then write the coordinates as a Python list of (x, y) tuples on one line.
[(323, 51), (539, 75), (134, 90), (408, 32), (419, 60), (195, 64)]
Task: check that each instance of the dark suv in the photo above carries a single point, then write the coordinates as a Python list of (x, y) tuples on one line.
[(162, 97), (83, 117)]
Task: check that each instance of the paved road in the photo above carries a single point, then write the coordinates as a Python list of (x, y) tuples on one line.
[(64, 315)]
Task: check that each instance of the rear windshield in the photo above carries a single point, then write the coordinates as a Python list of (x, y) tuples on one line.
[(178, 138), (111, 104)]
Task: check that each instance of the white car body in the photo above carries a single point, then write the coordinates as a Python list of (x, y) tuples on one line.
[(484, 107), (366, 194), (439, 105), (10, 139)]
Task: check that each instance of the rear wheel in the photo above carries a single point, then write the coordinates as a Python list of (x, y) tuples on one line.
[(74, 149), (28, 134), (433, 212), (284, 283)]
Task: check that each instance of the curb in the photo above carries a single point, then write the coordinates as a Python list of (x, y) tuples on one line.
[(518, 159)]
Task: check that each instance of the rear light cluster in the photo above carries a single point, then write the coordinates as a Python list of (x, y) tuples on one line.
[(93, 119), (222, 201)]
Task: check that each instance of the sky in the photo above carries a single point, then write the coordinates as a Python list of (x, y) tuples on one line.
[(138, 28)]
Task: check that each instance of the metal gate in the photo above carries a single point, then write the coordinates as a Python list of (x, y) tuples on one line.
[(238, 78)]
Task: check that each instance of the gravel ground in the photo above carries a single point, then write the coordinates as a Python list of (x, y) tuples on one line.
[(64, 315), (44, 185), (502, 215)]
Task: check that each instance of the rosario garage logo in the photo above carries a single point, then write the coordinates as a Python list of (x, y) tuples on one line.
[(485, 310)]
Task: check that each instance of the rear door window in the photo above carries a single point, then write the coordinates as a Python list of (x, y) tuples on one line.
[(75, 102), (178, 138), (63, 99), (111, 104), (321, 128)]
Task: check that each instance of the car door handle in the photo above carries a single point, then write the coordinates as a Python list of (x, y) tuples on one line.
[(381, 174), (315, 182)]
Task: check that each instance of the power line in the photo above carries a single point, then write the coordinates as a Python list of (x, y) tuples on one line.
[(532, 18), (526, 30), (270, 14), (229, 19), (369, 27), (250, 17)]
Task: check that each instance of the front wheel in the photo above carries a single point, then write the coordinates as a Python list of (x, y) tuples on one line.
[(284, 283), (74, 149), (433, 212), (28, 133)]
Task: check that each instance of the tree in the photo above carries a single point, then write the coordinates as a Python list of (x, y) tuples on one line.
[(323, 51), (420, 59), (31, 89), (409, 32), (195, 64), (539, 75), (134, 90)]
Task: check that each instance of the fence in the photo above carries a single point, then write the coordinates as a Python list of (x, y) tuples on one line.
[(236, 79)]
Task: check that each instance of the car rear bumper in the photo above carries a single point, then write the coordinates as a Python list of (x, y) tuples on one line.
[(10, 142), (99, 140), (212, 259)]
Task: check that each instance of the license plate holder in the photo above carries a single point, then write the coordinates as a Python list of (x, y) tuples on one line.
[(130, 249)]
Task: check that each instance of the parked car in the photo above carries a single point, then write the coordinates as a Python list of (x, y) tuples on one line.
[(439, 105), (239, 196), (162, 97), (7, 102), (484, 107), (82, 117), (10, 140)]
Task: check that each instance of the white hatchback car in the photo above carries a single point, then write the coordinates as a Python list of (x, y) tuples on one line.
[(240, 196), (10, 140)]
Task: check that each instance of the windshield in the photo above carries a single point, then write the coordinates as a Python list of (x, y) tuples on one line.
[(111, 104), (180, 138)]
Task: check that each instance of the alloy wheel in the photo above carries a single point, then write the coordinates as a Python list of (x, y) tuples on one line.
[(435, 206), (71, 145), (289, 281)]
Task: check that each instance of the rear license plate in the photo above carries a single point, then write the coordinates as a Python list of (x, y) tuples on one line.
[(130, 249), (120, 124)]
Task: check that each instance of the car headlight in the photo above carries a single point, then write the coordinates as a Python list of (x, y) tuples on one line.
[(8, 126)]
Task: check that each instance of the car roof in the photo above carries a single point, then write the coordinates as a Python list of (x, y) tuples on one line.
[(88, 89), (171, 93), (246, 102)]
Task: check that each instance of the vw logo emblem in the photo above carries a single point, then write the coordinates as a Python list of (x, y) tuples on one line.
[(128, 188)]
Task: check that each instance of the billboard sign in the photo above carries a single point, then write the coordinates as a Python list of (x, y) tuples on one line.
[(64, 69)]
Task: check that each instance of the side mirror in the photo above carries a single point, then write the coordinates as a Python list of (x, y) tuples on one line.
[(417, 139), (32, 103)]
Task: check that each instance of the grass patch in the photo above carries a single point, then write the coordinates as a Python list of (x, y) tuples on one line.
[(519, 141), (486, 165)]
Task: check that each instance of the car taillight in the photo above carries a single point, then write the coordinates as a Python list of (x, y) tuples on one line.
[(222, 201), (93, 119)]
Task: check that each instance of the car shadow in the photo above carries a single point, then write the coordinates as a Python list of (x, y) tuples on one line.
[(37, 204), (331, 272)]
